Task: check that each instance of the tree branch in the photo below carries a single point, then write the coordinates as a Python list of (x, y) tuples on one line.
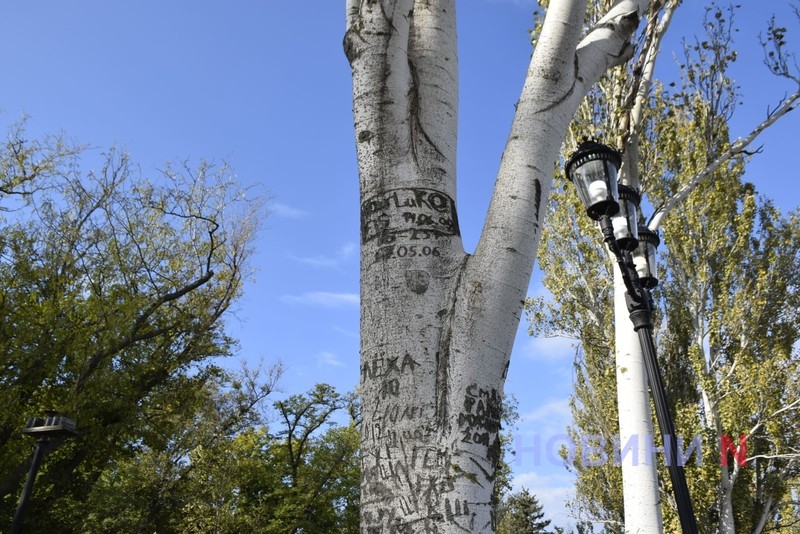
[(786, 105), (134, 335), (640, 90), (562, 70), (433, 63)]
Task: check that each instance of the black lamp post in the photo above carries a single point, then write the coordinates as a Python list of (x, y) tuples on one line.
[(593, 169), (52, 427)]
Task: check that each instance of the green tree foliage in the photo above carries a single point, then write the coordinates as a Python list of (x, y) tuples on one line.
[(728, 293), (727, 351), (113, 290), (113, 294), (521, 513), (502, 481), (321, 474), (148, 490), (298, 474)]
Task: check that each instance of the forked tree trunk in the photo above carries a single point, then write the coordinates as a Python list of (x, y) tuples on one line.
[(437, 324)]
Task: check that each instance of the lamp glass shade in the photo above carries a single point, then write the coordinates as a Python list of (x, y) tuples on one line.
[(593, 169), (626, 221), (644, 257)]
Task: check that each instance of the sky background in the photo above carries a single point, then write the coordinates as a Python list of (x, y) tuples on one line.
[(265, 86)]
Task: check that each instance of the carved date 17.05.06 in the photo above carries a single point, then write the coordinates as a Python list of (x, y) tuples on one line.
[(398, 218)]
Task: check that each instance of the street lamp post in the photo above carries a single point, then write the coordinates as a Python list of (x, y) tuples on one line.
[(593, 169), (42, 430)]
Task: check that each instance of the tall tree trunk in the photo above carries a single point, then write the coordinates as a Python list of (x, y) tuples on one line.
[(639, 468), (727, 474), (641, 495), (437, 324)]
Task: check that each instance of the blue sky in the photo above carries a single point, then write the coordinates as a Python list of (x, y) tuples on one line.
[(265, 86)]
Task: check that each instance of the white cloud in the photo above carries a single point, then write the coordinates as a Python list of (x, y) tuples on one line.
[(282, 210), (344, 253), (549, 349), (543, 423), (555, 409), (317, 261), (347, 333), (329, 359), (324, 299), (347, 250)]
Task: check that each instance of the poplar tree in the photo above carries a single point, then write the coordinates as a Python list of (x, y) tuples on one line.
[(437, 322), (715, 238)]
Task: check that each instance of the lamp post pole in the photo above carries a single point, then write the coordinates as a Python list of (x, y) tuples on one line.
[(641, 494), (38, 454), (43, 430), (593, 169)]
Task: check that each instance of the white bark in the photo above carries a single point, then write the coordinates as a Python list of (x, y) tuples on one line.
[(437, 325), (728, 473), (762, 519), (629, 172), (712, 421), (641, 494), (639, 471)]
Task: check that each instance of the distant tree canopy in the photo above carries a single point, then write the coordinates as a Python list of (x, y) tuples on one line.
[(299, 473), (113, 294), (113, 290)]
